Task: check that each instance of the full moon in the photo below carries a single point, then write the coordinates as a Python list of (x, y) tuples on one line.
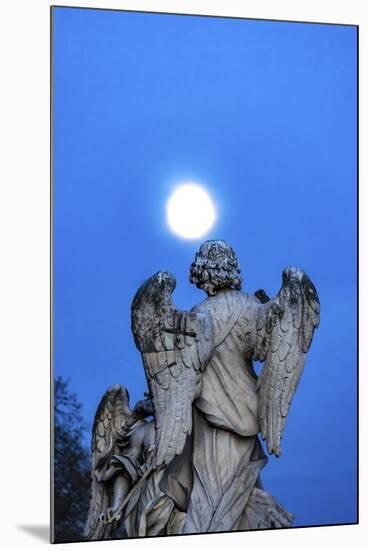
[(190, 211)]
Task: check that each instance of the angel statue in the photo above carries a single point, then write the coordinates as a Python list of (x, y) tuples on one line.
[(188, 458)]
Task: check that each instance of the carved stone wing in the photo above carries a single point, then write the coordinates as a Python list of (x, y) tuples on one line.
[(174, 376), (176, 347), (285, 327), (112, 413)]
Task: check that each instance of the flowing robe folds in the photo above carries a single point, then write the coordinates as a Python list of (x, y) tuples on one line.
[(223, 489)]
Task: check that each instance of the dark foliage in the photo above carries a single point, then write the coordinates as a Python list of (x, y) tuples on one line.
[(71, 466)]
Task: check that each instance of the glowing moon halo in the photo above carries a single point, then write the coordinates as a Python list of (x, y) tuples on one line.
[(190, 211)]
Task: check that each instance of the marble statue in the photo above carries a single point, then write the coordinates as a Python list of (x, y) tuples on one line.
[(188, 457)]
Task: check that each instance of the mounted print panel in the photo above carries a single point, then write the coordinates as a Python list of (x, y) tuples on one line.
[(204, 274)]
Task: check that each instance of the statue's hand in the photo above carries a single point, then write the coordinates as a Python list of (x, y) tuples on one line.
[(110, 516)]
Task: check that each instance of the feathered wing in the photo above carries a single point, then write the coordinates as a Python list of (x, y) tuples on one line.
[(112, 413), (173, 364), (285, 327), (176, 347)]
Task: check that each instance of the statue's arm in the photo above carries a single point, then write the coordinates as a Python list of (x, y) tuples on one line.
[(123, 471)]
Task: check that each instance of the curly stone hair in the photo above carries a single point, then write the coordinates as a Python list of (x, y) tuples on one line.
[(215, 266)]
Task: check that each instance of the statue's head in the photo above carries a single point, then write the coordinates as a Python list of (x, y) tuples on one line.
[(215, 266), (143, 408)]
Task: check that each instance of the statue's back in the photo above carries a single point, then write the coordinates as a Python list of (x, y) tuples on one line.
[(228, 394)]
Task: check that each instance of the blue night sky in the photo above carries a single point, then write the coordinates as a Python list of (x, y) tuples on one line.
[(263, 114)]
